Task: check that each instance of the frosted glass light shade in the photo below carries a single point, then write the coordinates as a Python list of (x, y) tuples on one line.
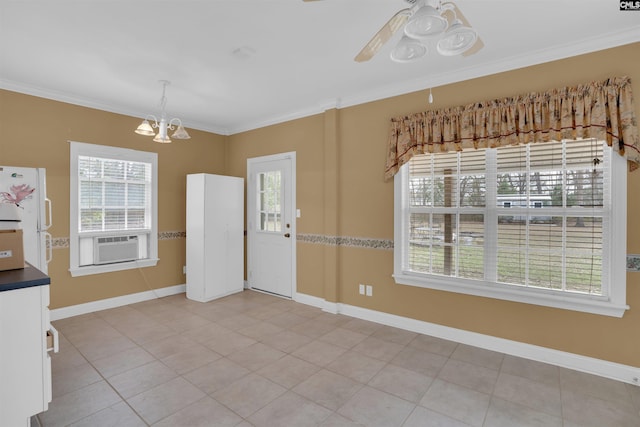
[(456, 40), (425, 22), (408, 49), (145, 129), (181, 133)]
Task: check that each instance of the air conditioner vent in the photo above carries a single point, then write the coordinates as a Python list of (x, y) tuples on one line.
[(111, 249)]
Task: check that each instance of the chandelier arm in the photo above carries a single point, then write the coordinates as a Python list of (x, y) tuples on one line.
[(171, 123)]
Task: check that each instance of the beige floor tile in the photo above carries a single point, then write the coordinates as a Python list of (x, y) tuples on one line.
[(256, 356), (123, 361), (229, 343), (141, 379), (362, 326), (74, 406), (375, 408), (259, 330), (419, 361), (288, 371), (460, 403), (237, 322), (102, 348), (356, 366), (434, 345), (206, 333), (503, 413), (165, 399), (190, 358), (290, 409), (343, 337), (286, 320), (319, 353), (337, 420), (73, 378), (378, 349), (478, 356), (602, 388), (118, 415), (216, 375), (313, 328), (532, 394), (401, 382), (473, 376), (396, 335), (590, 411), (531, 369), (143, 333), (285, 340), (328, 389), (206, 412), (249, 394), (168, 346), (187, 322), (423, 417), (264, 312)]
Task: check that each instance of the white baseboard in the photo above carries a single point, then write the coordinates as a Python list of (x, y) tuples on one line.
[(603, 368), (104, 304)]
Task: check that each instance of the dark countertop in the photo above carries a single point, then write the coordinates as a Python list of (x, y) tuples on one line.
[(22, 278)]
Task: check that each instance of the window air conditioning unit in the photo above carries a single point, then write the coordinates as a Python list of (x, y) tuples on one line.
[(107, 250)]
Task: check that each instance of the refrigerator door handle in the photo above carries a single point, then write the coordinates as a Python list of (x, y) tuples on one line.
[(49, 208), (49, 243)]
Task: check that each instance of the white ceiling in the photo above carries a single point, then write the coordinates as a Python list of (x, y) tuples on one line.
[(236, 65)]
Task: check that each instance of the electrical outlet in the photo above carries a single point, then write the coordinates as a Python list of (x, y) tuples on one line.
[(369, 290), (361, 289)]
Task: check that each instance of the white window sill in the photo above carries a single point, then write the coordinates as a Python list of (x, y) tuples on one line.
[(108, 268), (575, 302)]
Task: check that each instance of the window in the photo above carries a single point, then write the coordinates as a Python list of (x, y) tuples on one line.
[(113, 209), (539, 223)]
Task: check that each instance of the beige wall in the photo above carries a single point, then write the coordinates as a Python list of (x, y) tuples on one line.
[(34, 133), (340, 192)]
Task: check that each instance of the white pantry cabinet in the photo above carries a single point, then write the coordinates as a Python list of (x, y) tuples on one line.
[(215, 236)]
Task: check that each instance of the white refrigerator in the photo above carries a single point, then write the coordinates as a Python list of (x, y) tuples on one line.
[(26, 188)]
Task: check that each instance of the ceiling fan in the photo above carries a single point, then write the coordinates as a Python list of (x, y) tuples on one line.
[(425, 22)]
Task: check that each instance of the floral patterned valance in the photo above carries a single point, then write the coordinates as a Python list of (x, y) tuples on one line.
[(602, 110)]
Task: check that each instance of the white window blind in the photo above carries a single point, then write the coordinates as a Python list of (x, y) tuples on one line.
[(114, 194), (535, 217)]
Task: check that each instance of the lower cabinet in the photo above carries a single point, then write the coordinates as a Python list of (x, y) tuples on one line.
[(26, 337)]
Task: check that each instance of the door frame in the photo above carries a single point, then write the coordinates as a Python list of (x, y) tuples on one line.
[(251, 211)]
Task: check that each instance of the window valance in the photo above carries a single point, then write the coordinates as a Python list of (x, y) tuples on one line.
[(603, 110)]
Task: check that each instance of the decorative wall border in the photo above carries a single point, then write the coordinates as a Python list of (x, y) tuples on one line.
[(353, 242), (63, 242)]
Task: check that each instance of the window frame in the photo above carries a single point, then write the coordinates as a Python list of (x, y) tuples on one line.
[(78, 149), (614, 304)]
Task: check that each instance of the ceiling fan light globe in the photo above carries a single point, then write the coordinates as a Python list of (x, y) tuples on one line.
[(425, 22), (408, 50), (457, 40)]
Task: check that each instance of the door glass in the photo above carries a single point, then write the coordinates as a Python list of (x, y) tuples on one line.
[(269, 193)]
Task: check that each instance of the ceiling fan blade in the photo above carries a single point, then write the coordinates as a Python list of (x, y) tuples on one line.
[(383, 35), (479, 44)]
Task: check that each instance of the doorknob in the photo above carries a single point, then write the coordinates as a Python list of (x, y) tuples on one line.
[(287, 235)]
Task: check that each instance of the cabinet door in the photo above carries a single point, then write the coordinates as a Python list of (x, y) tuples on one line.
[(22, 355)]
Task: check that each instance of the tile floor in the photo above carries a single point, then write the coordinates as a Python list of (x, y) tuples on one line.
[(256, 360)]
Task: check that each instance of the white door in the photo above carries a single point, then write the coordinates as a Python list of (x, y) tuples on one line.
[(271, 238)]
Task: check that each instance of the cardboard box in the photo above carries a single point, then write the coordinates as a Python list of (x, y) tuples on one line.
[(11, 250)]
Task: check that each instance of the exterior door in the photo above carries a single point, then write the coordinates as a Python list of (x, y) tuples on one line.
[(271, 238)]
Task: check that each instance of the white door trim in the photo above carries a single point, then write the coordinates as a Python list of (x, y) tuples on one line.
[(291, 156)]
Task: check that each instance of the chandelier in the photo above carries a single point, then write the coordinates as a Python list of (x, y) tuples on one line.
[(164, 125)]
